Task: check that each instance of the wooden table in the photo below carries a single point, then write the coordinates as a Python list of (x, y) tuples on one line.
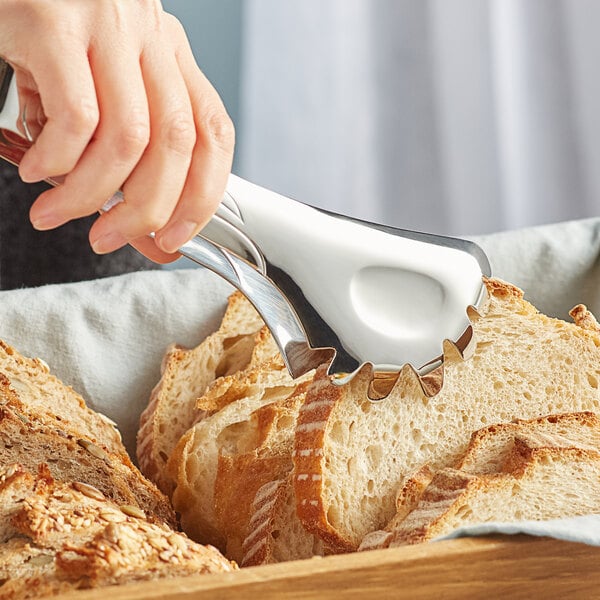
[(492, 567)]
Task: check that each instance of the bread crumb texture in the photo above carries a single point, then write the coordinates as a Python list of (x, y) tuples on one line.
[(270, 469)]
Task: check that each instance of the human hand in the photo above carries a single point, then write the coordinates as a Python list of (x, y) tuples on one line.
[(115, 100)]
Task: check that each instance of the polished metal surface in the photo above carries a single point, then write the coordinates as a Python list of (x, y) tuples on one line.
[(373, 293), (330, 288)]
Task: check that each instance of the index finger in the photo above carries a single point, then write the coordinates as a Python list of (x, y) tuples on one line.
[(67, 93)]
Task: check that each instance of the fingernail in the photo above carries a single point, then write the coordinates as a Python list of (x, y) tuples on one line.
[(108, 242), (177, 234), (46, 221), (28, 174)]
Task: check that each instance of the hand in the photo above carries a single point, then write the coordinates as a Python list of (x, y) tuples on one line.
[(116, 100)]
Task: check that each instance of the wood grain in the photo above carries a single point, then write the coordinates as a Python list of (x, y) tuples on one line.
[(503, 566)]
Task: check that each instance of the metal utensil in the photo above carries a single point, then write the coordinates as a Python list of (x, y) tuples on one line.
[(330, 288)]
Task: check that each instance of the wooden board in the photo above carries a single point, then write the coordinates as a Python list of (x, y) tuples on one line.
[(492, 567)]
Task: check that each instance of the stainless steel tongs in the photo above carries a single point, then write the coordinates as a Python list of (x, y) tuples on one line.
[(330, 288)]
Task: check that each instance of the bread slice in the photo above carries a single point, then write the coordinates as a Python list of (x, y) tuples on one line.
[(260, 453), (490, 447), (185, 375), (264, 360), (352, 454), (54, 402), (550, 469), (193, 463), (275, 533), (65, 536), (30, 441)]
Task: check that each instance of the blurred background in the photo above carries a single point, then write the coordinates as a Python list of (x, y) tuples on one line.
[(461, 117)]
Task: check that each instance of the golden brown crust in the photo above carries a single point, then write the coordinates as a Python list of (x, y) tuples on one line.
[(30, 442), (499, 288), (262, 457), (308, 458), (584, 318), (410, 494), (234, 502), (67, 537), (257, 547)]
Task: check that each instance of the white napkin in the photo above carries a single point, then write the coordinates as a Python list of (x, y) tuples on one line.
[(107, 337), (584, 529), (556, 265)]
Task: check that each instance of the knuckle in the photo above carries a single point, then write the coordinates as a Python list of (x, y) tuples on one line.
[(81, 118), (132, 138), (145, 218), (173, 25), (180, 133), (219, 129)]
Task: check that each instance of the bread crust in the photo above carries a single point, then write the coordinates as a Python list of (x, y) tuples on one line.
[(338, 426), (68, 537), (263, 454)]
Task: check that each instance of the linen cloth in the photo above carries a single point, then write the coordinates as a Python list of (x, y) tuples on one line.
[(106, 337)]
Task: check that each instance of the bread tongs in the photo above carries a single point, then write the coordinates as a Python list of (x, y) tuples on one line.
[(331, 289)]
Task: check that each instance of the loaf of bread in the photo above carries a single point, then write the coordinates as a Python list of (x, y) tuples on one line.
[(59, 537), (277, 469), (74, 510)]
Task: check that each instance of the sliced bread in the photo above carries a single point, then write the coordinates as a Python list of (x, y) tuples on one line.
[(353, 455), (30, 441), (185, 375), (54, 402), (532, 470), (490, 447), (260, 453), (194, 461), (65, 536)]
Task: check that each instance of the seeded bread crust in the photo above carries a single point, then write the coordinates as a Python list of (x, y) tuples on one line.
[(28, 440), (540, 469), (54, 402), (352, 455), (185, 375), (67, 536)]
